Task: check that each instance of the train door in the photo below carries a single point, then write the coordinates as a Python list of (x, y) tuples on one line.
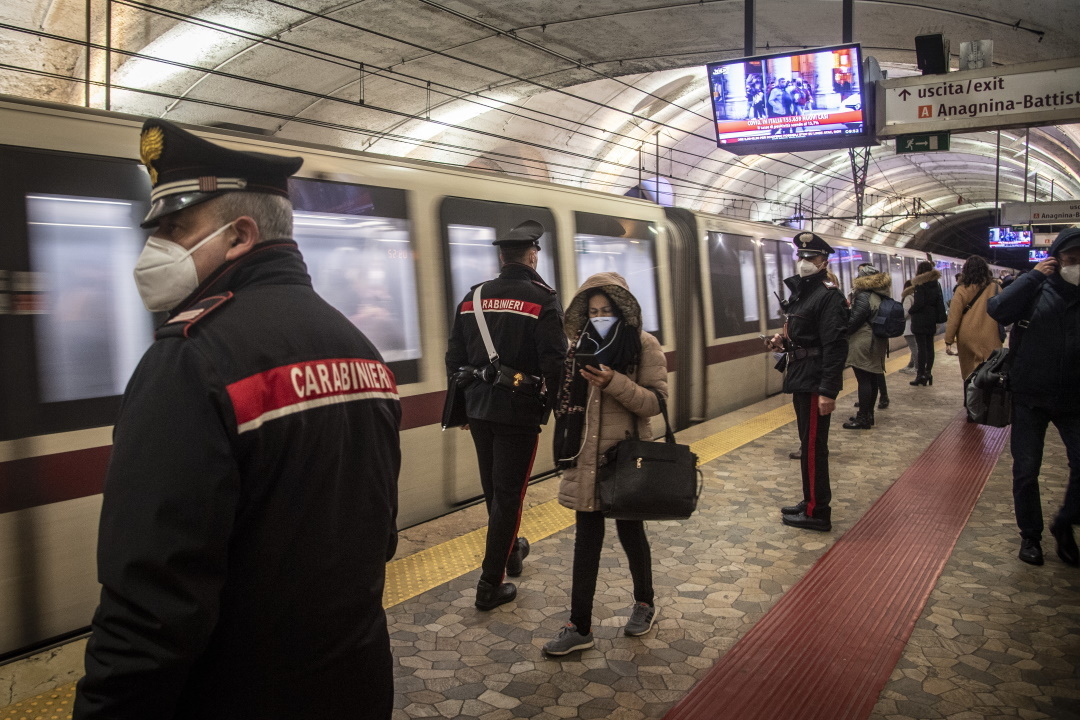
[(468, 228), (778, 264), (72, 329), (690, 388)]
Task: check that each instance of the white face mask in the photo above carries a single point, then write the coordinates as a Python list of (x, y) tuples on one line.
[(165, 272), (805, 268), (1070, 274), (603, 325)]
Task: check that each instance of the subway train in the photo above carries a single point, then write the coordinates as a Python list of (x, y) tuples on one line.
[(394, 245)]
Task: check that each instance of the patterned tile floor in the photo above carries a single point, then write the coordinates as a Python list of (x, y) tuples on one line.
[(997, 639)]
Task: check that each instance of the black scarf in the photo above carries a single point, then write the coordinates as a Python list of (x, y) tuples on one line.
[(620, 351)]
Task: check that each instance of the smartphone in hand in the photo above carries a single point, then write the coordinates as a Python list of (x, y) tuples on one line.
[(586, 360)]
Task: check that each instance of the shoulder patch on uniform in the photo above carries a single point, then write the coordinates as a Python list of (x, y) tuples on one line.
[(545, 286), (829, 284), (180, 326)]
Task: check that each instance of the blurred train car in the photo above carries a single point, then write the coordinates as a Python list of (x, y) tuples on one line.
[(393, 244)]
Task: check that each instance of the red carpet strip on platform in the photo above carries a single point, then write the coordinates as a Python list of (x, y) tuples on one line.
[(828, 646)]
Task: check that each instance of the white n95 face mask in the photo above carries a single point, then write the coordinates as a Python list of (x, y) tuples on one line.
[(165, 272), (1070, 274), (805, 268), (603, 325)]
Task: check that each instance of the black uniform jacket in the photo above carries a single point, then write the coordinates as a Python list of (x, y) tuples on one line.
[(525, 320), (817, 317), (1046, 369), (249, 511)]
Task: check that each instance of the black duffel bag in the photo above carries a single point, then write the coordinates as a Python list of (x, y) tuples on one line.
[(986, 394), (645, 480)]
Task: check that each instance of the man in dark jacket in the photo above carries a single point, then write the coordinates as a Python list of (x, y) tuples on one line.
[(815, 342), (1044, 377), (250, 501), (511, 395)]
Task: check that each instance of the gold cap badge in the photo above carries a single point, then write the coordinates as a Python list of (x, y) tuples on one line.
[(151, 146)]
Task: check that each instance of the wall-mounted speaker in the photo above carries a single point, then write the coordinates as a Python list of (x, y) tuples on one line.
[(932, 54)]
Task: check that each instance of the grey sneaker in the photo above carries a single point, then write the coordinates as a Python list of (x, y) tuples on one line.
[(641, 620), (908, 370), (568, 641)]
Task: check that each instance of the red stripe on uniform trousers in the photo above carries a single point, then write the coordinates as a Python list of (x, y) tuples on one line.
[(811, 454), (521, 501), (510, 305), (314, 383)]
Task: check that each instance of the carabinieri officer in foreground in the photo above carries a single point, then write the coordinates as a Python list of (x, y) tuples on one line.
[(815, 342), (250, 500), (507, 401)]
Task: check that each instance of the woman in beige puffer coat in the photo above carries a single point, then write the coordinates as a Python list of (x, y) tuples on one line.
[(597, 408)]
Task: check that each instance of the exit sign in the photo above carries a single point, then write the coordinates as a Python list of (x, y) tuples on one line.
[(922, 142)]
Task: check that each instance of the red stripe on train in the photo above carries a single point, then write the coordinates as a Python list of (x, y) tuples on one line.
[(53, 478)]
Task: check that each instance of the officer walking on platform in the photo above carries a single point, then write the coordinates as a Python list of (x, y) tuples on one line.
[(815, 346), (250, 501), (512, 378)]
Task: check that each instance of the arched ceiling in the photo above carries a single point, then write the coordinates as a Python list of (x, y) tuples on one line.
[(581, 93)]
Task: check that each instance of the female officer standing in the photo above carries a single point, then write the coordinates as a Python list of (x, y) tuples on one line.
[(815, 342)]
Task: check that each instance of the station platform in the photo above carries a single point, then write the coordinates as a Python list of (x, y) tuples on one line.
[(914, 606)]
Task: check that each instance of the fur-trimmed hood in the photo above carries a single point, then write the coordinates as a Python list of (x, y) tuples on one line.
[(920, 279), (881, 283), (615, 287)]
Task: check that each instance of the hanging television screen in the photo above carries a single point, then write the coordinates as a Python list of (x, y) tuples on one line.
[(1007, 237), (802, 100), (1036, 256)]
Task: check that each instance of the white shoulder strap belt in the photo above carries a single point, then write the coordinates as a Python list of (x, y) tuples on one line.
[(493, 356)]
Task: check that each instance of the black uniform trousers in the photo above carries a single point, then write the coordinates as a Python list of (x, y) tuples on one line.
[(814, 441), (1029, 425), (505, 454)]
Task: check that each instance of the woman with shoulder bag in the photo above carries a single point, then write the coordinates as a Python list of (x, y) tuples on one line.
[(866, 351), (971, 332), (927, 311), (613, 373)]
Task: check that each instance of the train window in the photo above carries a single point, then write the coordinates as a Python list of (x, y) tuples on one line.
[(896, 269), (881, 262), (774, 254), (358, 249), (909, 266), (92, 328), (470, 226), (473, 259), (734, 284), (628, 247)]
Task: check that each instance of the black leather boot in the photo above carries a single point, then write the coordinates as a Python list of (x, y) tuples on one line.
[(862, 421), (821, 521), (515, 564), (489, 597), (794, 509)]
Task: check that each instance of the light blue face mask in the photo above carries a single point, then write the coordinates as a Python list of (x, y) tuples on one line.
[(603, 325)]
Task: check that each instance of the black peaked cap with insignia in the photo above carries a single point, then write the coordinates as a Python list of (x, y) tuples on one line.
[(527, 233), (807, 244), (186, 170)]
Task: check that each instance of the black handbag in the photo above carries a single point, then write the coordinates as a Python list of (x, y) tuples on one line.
[(453, 412), (644, 480), (986, 395)]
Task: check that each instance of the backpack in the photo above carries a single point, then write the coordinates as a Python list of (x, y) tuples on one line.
[(889, 321)]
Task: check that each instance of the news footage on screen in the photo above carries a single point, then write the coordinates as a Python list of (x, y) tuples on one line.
[(1008, 237), (804, 98)]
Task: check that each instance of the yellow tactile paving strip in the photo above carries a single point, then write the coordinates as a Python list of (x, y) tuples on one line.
[(53, 705), (417, 573)]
